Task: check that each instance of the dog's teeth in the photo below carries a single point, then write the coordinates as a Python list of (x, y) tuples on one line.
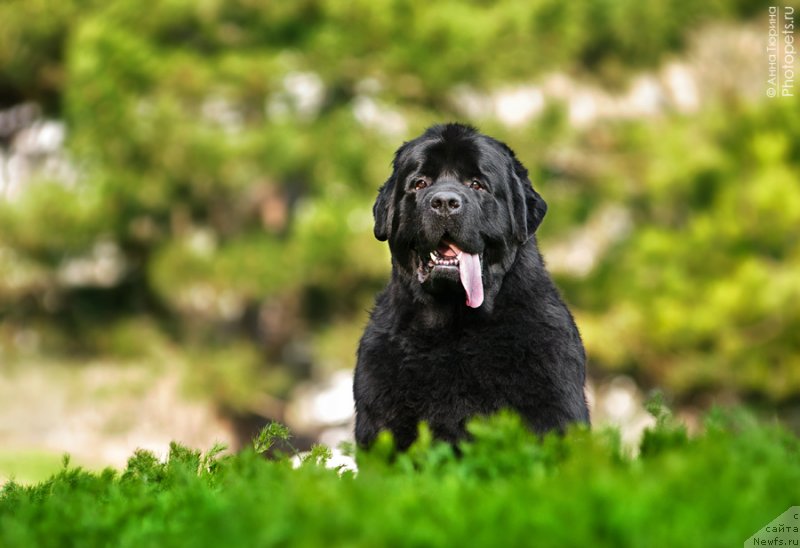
[(433, 257)]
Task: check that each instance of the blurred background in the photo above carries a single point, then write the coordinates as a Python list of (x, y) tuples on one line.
[(186, 246)]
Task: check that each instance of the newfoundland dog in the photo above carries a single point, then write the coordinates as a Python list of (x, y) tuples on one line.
[(471, 322)]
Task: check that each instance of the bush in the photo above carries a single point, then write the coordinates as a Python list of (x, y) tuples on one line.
[(505, 488)]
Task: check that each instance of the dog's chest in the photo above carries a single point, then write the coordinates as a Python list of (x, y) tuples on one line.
[(453, 372)]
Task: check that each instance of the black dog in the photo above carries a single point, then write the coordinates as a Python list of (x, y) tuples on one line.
[(470, 322)]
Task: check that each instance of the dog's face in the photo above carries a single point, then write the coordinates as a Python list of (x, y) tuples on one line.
[(455, 210)]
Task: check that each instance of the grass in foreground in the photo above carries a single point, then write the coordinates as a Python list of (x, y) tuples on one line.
[(507, 488)]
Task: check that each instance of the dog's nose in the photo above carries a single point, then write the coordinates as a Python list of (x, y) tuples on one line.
[(445, 203)]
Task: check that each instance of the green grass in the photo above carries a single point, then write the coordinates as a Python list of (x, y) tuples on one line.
[(29, 466), (506, 488)]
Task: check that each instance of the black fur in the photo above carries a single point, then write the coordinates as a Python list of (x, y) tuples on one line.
[(425, 355)]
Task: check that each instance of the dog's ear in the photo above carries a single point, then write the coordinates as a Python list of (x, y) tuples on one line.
[(528, 207), (383, 210)]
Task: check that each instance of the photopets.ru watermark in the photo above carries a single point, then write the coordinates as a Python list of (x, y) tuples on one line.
[(781, 52)]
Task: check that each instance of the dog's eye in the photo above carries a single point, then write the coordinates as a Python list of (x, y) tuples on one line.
[(420, 183), (475, 184)]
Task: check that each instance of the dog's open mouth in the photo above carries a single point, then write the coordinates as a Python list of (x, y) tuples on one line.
[(448, 256), (445, 255)]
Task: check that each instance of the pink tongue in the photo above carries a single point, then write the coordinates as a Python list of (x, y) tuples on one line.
[(469, 268)]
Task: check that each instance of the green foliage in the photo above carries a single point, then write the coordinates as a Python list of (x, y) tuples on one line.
[(268, 435), (704, 288), (393, 42), (221, 157), (668, 433), (505, 487)]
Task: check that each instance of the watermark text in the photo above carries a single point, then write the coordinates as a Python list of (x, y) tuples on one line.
[(781, 52)]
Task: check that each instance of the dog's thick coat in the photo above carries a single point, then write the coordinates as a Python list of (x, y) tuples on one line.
[(470, 322)]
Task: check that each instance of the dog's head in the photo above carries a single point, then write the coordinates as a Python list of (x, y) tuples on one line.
[(455, 210)]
